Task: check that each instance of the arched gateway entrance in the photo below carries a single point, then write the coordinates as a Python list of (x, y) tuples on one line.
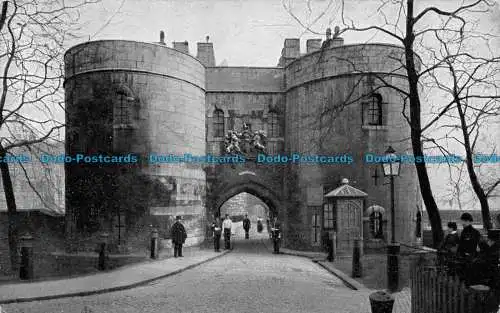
[(267, 196), (261, 181)]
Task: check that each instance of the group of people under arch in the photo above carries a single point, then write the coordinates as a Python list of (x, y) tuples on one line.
[(224, 226)]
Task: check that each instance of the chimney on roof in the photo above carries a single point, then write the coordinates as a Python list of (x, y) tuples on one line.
[(337, 41), (205, 53), (290, 51), (292, 48), (162, 37), (313, 45), (181, 46)]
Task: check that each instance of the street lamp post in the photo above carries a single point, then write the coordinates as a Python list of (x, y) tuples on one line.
[(391, 167)]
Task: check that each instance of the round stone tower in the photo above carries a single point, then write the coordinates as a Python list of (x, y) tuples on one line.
[(336, 104), (134, 99)]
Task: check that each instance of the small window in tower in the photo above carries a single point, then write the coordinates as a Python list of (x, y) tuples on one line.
[(372, 110), (122, 115), (273, 124), (123, 106), (218, 123)]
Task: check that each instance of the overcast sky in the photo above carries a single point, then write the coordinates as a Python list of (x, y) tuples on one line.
[(248, 32)]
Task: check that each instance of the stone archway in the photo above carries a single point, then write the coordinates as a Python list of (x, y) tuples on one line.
[(267, 196)]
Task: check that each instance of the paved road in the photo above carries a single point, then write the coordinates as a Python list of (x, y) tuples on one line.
[(250, 279)]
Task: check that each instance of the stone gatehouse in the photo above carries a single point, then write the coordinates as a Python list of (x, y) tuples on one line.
[(137, 99)]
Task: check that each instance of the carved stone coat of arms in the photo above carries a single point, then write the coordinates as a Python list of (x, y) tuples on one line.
[(245, 142)]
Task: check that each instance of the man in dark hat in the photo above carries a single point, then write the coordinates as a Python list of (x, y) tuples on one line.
[(178, 235), (217, 231), (469, 238), (246, 226), (276, 235)]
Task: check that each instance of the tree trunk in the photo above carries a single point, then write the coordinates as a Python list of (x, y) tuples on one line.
[(11, 210), (481, 195), (416, 132), (3, 15)]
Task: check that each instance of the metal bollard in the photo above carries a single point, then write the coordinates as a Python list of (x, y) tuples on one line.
[(26, 268), (381, 302), (330, 250), (483, 300), (334, 244), (103, 253), (393, 267), (154, 244), (356, 259)]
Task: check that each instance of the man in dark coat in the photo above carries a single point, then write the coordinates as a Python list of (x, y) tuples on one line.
[(448, 248), (178, 235), (467, 250), (217, 230), (246, 226), (487, 265), (276, 233), (469, 239), (487, 261)]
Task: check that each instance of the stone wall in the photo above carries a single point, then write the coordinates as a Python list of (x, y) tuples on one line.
[(164, 106), (49, 182), (327, 79), (345, 60), (171, 99), (242, 107), (47, 231), (245, 79), (244, 203)]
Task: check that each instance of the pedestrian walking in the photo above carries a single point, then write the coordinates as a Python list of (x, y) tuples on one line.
[(276, 234), (246, 226), (227, 225), (217, 231), (178, 235), (448, 248)]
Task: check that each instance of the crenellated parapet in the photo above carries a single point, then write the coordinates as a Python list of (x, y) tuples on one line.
[(345, 60)]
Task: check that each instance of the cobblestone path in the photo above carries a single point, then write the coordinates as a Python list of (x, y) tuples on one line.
[(250, 279)]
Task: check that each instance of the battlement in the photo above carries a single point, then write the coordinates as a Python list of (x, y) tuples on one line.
[(204, 53), (291, 48), (182, 46)]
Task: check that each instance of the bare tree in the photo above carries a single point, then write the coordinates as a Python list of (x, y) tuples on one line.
[(470, 80), (3, 15), (456, 188), (32, 74), (413, 30)]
